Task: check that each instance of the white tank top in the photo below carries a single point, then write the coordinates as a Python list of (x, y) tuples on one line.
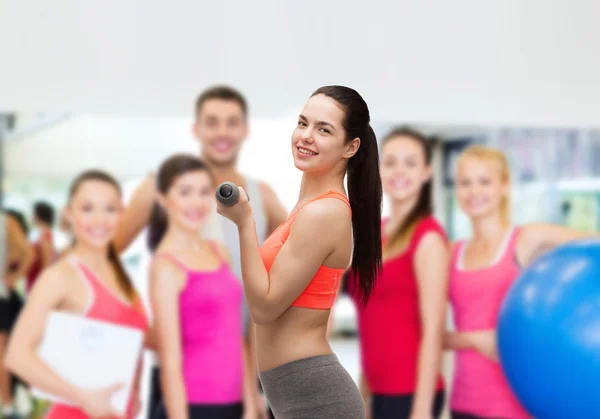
[(223, 230), (231, 237)]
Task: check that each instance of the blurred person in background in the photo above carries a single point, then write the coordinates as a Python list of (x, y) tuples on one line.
[(44, 251), (17, 256), (91, 282), (402, 327), (220, 127), (16, 298), (20, 218), (64, 238), (197, 303), (483, 268), (15, 293)]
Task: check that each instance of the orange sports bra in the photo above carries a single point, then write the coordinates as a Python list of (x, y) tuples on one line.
[(321, 291)]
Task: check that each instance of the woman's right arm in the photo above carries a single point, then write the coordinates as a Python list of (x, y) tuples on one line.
[(457, 341), (47, 295), (166, 282), (482, 341)]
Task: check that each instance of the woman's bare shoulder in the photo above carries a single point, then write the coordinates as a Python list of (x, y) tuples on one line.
[(327, 217), (62, 270), (56, 280)]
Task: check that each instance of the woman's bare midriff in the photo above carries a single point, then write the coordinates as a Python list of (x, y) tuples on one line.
[(299, 333)]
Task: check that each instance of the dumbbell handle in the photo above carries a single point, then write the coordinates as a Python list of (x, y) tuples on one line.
[(228, 194)]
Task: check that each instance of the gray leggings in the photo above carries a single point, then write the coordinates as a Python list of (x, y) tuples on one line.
[(316, 387)]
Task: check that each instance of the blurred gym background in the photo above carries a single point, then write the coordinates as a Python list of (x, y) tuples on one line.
[(111, 85)]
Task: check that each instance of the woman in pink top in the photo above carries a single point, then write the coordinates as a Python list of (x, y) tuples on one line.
[(90, 282), (197, 303), (482, 270)]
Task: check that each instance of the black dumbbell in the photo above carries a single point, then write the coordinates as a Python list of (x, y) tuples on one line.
[(228, 194)]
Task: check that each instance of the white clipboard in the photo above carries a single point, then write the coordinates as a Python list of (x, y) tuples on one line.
[(91, 354)]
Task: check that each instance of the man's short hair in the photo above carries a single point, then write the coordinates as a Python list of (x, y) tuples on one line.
[(223, 93)]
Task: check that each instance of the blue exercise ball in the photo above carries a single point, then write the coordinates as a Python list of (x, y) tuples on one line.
[(549, 333)]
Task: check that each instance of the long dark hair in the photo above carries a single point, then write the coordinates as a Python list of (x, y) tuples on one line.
[(123, 279), (424, 206), (364, 188), (169, 171)]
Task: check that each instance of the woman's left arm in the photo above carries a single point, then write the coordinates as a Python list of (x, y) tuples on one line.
[(537, 238), (312, 238), (150, 339), (432, 283), (137, 388)]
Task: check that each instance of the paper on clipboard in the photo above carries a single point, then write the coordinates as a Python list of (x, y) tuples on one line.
[(91, 354)]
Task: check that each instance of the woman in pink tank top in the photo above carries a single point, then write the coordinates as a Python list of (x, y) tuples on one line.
[(483, 269), (197, 303), (92, 283)]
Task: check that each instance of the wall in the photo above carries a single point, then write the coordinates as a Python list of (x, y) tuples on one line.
[(130, 148), (466, 61)]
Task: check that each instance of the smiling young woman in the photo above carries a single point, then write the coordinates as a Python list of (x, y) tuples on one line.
[(90, 282), (401, 376), (196, 299), (483, 268), (291, 281)]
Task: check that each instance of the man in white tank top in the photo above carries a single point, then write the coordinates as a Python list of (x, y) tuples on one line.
[(221, 127)]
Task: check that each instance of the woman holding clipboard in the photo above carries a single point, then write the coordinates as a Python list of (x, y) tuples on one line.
[(90, 282)]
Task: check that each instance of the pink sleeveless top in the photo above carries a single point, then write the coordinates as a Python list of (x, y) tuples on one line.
[(108, 307), (480, 387), (210, 309)]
